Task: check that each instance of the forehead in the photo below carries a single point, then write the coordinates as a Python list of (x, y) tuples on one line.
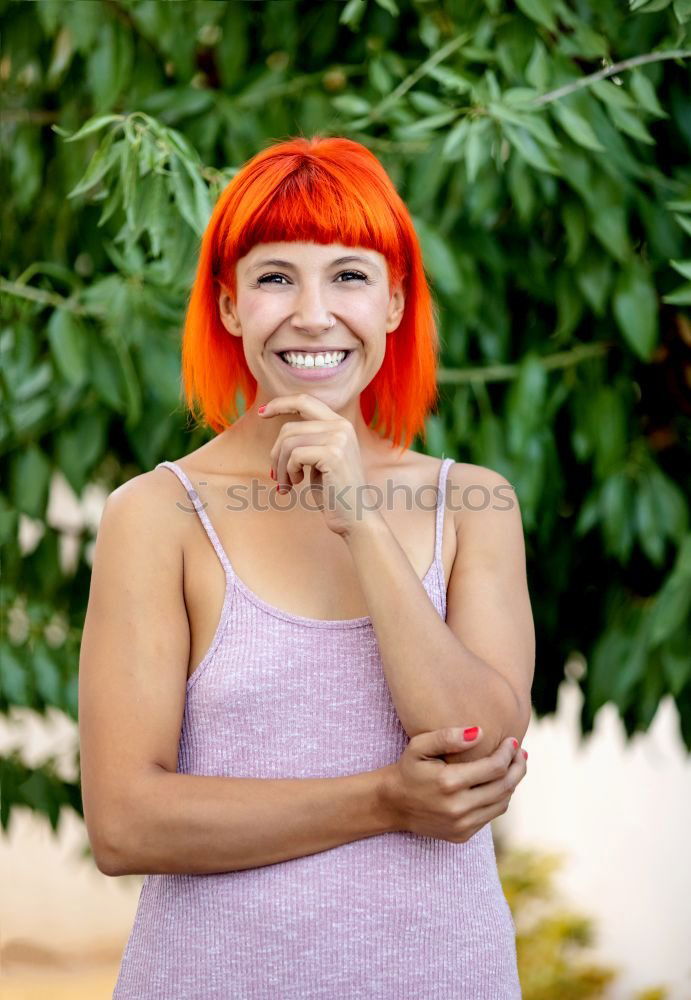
[(298, 254)]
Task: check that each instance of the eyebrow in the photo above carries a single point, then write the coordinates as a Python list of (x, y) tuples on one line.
[(275, 262)]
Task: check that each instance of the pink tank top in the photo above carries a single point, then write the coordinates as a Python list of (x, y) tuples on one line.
[(395, 916)]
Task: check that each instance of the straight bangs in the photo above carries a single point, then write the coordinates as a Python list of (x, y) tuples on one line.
[(323, 191)]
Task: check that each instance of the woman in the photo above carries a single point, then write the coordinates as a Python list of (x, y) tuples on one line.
[(291, 720)]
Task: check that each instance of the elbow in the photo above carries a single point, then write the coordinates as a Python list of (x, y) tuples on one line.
[(506, 718), (106, 858), (108, 848), (109, 864)]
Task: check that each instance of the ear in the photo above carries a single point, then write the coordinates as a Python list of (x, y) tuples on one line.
[(396, 308), (227, 311)]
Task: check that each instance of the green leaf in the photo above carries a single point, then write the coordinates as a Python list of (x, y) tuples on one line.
[(439, 259), (575, 226), (389, 6), (616, 499), (681, 296), (539, 68), (533, 121), (608, 431), (613, 95), (449, 79), (542, 11), (29, 480), (644, 92), (521, 188), (46, 675), (650, 523), (629, 123), (569, 303), (609, 223), (594, 279), (350, 104), (9, 521), (79, 445), (455, 140), (675, 509), (671, 609), (683, 267), (102, 160), (13, 677), (649, 6), (580, 130), (352, 13), (684, 223), (68, 342), (128, 181), (525, 403), (191, 196), (105, 375), (529, 149), (676, 662), (92, 125), (476, 148), (635, 308), (423, 126)]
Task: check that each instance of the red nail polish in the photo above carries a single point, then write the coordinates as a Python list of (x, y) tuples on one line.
[(272, 474), (514, 741), (525, 753), (470, 734), (261, 409)]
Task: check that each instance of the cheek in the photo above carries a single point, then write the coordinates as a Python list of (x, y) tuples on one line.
[(262, 311)]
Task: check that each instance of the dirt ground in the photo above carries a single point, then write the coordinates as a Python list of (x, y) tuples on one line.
[(86, 984)]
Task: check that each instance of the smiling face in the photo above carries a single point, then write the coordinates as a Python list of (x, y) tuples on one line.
[(306, 297)]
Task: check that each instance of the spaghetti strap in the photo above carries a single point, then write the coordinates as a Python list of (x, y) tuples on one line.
[(199, 506), (441, 507)]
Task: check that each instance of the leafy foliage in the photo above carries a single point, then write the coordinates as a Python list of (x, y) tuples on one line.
[(543, 150), (553, 942)]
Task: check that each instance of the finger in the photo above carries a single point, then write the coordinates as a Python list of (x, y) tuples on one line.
[(302, 403), (479, 772), (280, 454), (474, 821), (440, 741), (288, 471), (483, 796)]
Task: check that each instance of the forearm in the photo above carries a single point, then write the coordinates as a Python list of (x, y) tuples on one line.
[(189, 824), (434, 680)]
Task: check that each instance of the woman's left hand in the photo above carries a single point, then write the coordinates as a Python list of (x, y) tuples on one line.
[(327, 444)]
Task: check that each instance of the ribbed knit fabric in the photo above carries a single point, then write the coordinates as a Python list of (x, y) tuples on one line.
[(389, 917)]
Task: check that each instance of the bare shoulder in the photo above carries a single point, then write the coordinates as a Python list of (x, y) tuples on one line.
[(147, 489), (477, 494), (150, 502)]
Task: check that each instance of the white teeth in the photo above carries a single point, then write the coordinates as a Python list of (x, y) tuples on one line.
[(327, 360)]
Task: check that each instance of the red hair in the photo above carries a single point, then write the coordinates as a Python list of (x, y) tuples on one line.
[(318, 190)]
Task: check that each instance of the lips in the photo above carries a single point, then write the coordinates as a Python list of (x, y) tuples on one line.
[(314, 372)]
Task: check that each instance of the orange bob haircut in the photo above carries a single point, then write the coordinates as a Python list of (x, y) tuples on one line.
[(318, 190)]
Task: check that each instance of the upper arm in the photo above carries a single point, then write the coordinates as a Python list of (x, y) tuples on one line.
[(488, 602), (134, 653)]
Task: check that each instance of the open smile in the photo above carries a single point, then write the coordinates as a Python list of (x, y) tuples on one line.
[(325, 365)]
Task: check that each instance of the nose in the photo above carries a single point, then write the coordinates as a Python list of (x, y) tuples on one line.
[(311, 310)]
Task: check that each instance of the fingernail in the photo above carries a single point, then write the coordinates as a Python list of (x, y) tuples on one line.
[(261, 409), (470, 734), (514, 741), (272, 474), (525, 753)]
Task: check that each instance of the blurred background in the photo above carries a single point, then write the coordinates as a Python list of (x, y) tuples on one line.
[(543, 149)]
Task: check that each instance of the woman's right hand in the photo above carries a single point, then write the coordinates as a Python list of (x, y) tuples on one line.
[(451, 801)]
